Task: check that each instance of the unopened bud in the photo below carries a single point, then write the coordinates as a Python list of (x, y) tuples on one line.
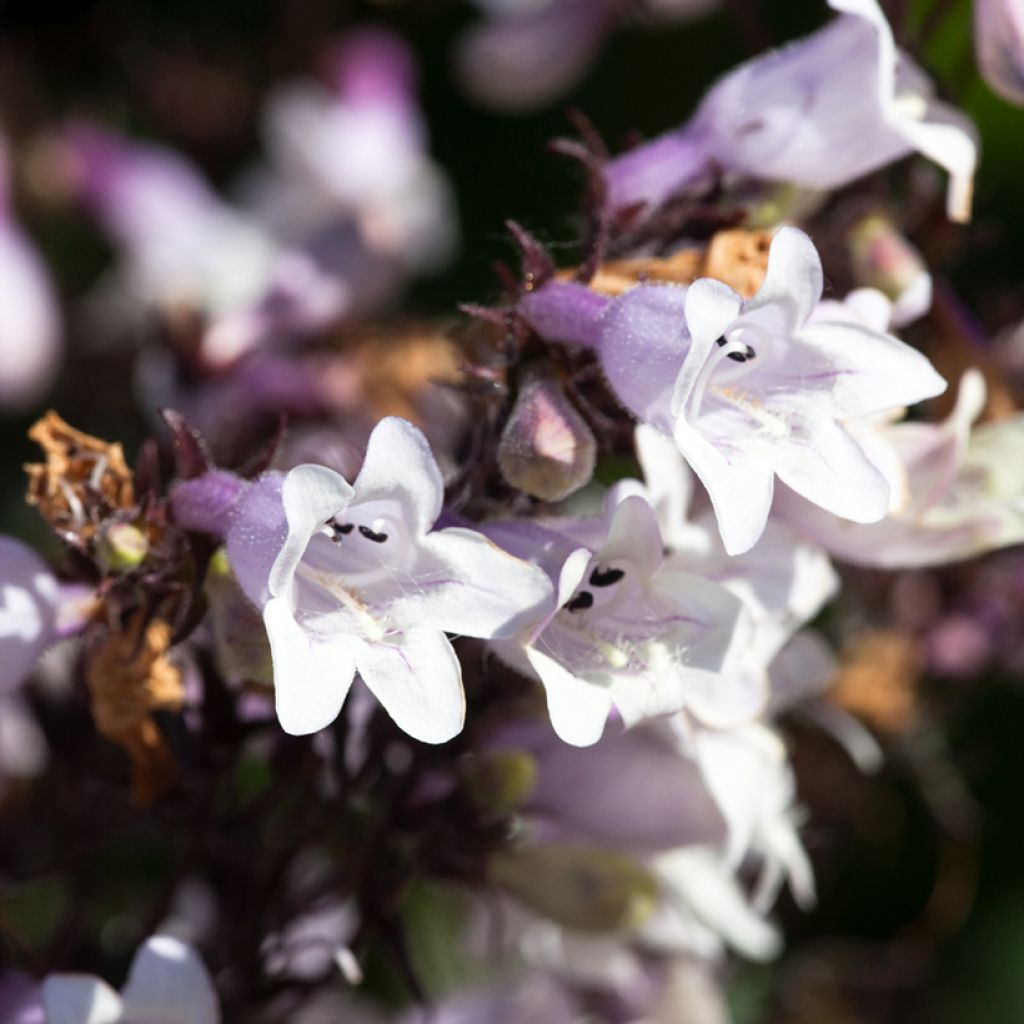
[(121, 547), (546, 449), (580, 887), (882, 258)]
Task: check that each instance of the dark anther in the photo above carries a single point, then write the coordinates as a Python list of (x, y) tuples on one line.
[(605, 577), (721, 341), (751, 354), (377, 538), (339, 529), (584, 599), (736, 357)]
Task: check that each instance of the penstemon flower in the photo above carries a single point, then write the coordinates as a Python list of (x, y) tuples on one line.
[(956, 491), (784, 580), (755, 389), (167, 984), (355, 578), (821, 113), (626, 630)]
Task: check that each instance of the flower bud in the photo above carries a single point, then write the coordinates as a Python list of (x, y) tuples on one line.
[(546, 449), (121, 547), (581, 887), (505, 780), (882, 258)]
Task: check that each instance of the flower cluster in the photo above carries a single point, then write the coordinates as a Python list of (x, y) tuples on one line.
[(506, 623)]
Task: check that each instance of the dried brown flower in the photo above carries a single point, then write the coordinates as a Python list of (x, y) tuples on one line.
[(737, 257), (129, 677), (83, 481)]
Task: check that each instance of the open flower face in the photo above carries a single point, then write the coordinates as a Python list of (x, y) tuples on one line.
[(753, 390), (784, 580), (354, 578), (629, 632)]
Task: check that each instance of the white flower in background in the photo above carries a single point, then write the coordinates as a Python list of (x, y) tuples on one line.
[(167, 984), (755, 389), (180, 243), (355, 578), (356, 147)]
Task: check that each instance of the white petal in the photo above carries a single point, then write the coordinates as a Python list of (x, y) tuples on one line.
[(578, 709), (740, 488), (311, 495), (793, 282), (80, 999), (668, 478), (726, 699), (400, 465), (633, 535), (418, 680), (168, 984), (697, 878), (710, 308), (864, 372), (311, 676), (828, 468), (472, 587)]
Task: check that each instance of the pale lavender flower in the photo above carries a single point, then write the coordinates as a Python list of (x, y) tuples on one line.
[(356, 148), (354, 578), (30, 330), (956, 491), (29, 599), (627, 630), (167, 984), (820, 113), (755, 389), (180, 244), (524, 53), (999, 45)]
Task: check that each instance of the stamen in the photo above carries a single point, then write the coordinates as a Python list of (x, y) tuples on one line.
[(338, 530), (720, 341), (377, 538), (605, 577), (584, 599), (742, 357)]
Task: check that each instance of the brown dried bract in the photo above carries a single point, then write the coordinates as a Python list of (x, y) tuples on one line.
[(878, 677), (737, 257), (129, 677), (83, 480)]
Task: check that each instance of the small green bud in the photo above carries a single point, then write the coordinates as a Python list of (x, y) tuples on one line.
[(505, 780), (581, 887), (121, 547)]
